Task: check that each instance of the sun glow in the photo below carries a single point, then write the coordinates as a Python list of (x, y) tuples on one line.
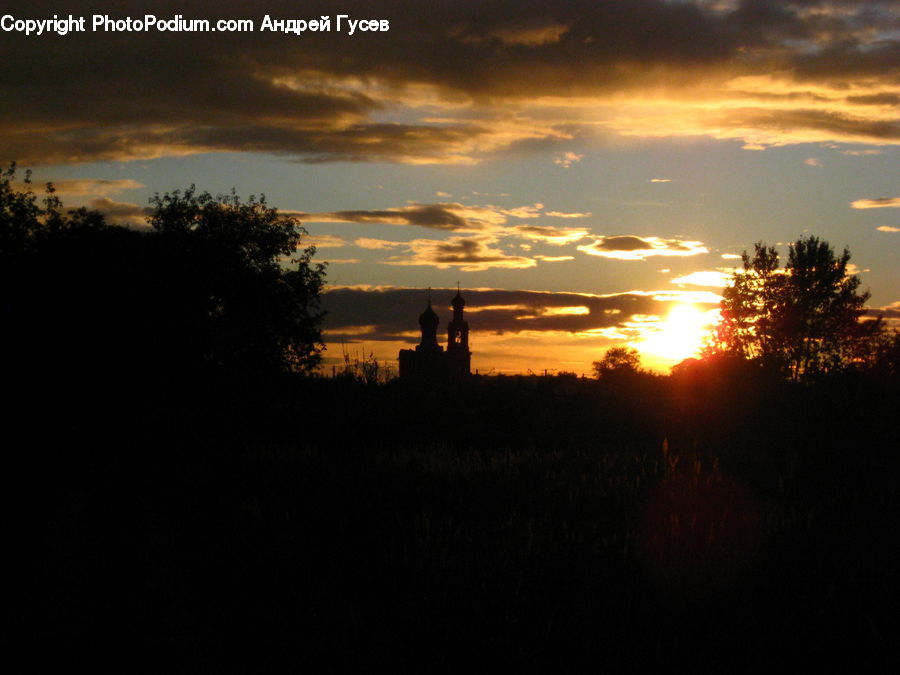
[(680, 335)]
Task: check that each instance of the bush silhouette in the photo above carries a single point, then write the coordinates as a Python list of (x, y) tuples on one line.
[(617, 362)]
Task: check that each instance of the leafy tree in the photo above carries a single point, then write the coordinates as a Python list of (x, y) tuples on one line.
[(57, 270), (618, 361), (803, 320), (19, 214), (215, 285), (249, 287)]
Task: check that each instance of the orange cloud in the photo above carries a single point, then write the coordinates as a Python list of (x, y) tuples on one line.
[(717, 278), (560, 214), (568, 159), (555, 236), (324, 241), (469, 254), (92, 187), (124, 213), (880, 203), (377, 244), (448, 216)]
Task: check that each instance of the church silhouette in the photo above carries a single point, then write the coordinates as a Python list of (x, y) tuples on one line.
[(429, 361)]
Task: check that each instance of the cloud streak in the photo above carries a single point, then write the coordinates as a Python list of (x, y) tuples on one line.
[(879, 203), (92, 187), (714, 278), (469, 254), (123, 213), (631, 247), (456, 217)]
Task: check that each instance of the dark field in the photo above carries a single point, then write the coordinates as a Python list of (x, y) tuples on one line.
[(525, 523)]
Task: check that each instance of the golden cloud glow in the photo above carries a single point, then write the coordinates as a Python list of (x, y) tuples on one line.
[(497, 308), (456, 217), (880, 203), (377, 244), (557, 311), (123, 213), (630, 247), (469, 254), (691, 297), (323, 241), (90, 187), (560, 214), (716, 278), (568, 159), (555, 236)]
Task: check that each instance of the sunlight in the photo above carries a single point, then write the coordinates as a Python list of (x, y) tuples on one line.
[(680, 335)]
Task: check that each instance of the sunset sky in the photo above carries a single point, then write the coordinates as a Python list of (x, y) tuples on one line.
[(588, 171)]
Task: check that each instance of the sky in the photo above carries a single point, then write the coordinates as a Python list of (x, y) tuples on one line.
[(588, 171)]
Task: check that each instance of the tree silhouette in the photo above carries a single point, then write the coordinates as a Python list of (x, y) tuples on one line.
[(618, 361), (216, 286), (250, 288), (803, 320)]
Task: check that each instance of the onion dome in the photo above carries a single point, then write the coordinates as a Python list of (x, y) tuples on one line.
[(458, 302), (428, 317)]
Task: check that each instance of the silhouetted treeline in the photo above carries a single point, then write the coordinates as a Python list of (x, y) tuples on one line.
[(533, 522)]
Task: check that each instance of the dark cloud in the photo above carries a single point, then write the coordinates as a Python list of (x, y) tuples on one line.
[(622, 243), (876, 99), (889, 311), (80, 187), (435, 216), (828, 124), (456, 217), (329, 96), (890, 314), (391, 313), (121, 212)]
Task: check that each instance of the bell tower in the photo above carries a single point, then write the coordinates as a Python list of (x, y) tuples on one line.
[(459, 358)]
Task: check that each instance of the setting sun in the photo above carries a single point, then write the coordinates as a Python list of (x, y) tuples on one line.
[(680, 335)]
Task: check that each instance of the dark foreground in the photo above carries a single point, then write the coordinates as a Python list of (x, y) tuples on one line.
[(532, 524)]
